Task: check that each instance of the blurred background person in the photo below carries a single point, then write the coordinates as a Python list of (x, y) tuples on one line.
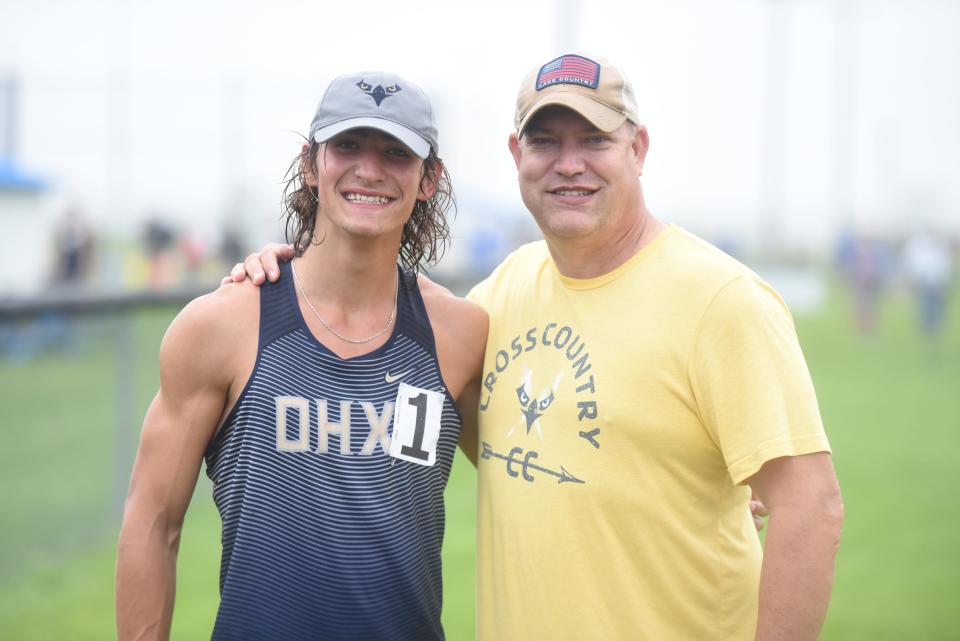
[(74, 248), (863, 263), (159, 239), (927, 264)]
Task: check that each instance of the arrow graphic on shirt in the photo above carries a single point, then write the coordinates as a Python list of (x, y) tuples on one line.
[(517, 457)]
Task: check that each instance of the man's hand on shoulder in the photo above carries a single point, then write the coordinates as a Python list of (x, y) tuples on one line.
[(261, 266)]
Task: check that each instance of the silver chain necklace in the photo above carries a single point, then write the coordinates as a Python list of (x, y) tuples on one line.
[(390, 318)]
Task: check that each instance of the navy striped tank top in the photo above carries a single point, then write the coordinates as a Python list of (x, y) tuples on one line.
[(325, 535)]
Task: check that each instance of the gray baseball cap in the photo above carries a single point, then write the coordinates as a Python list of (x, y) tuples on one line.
[(378, 100)]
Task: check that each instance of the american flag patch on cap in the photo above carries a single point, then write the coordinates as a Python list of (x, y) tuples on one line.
[(569, 69)]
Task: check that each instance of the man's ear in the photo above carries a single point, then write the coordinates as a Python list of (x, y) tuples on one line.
[(514, 144), (640, 144), (307, 169), (431, 178)]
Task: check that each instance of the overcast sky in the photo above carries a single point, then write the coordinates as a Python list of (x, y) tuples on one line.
[(765, 116)]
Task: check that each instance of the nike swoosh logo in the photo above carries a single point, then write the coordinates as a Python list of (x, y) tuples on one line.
[(393, 378)]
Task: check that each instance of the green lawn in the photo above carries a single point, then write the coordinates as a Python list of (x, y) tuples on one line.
[(891, 404)]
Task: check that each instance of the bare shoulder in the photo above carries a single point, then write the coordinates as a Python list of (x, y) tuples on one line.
[(451, 314), (208, 337), (460, 330)]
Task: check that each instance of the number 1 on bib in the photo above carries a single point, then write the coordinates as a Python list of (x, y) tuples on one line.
[(416, 425)]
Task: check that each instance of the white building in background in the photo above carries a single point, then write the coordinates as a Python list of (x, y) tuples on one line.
[(27, 218), (27, 222)]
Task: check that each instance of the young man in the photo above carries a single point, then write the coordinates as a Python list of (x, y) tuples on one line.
[(638, 383), (323, 405)]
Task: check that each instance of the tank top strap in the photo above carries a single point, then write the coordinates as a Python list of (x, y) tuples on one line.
[(412, 317), (278, 313)]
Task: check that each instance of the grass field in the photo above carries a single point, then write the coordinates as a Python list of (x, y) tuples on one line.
[(891, 404)]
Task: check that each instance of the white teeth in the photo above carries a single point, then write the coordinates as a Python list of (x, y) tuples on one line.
[(572, 192), (363, 198)]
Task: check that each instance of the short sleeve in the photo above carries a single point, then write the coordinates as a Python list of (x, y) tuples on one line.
[(750, 379), (479, 293)]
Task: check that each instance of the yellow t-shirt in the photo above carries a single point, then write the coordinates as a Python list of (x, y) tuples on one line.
[(619, 417)]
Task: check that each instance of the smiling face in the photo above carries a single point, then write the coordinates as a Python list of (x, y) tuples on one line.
[(578, 181), (367, 183)]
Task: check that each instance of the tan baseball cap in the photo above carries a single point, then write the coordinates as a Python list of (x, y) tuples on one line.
[(593, 87)]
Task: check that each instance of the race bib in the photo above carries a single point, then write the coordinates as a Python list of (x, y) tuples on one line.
[(416, 425)]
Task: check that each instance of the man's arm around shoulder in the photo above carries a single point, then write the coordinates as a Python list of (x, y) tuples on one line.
[(197, 362), (803, 534)]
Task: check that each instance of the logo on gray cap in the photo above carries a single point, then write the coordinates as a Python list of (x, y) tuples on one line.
[(378, 93)]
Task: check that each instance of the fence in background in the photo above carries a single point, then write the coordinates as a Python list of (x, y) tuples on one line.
[(75, 377)]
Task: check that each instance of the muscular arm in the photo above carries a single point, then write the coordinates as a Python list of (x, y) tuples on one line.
[(460, 329), (176, 430), (806, 513), (469, 404)]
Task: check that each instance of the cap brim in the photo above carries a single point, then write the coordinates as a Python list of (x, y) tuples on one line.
[(603, 117), (407, 136)]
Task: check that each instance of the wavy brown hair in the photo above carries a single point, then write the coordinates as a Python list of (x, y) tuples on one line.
[(425, 234)]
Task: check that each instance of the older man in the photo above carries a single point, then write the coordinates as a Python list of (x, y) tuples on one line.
[(637, 381), (637, 384)]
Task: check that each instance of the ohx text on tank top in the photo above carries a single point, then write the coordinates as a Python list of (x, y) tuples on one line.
[(293, 425)]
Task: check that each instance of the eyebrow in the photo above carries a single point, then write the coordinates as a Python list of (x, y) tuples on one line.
[(365, 132), (540, 129), (533, 129)]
